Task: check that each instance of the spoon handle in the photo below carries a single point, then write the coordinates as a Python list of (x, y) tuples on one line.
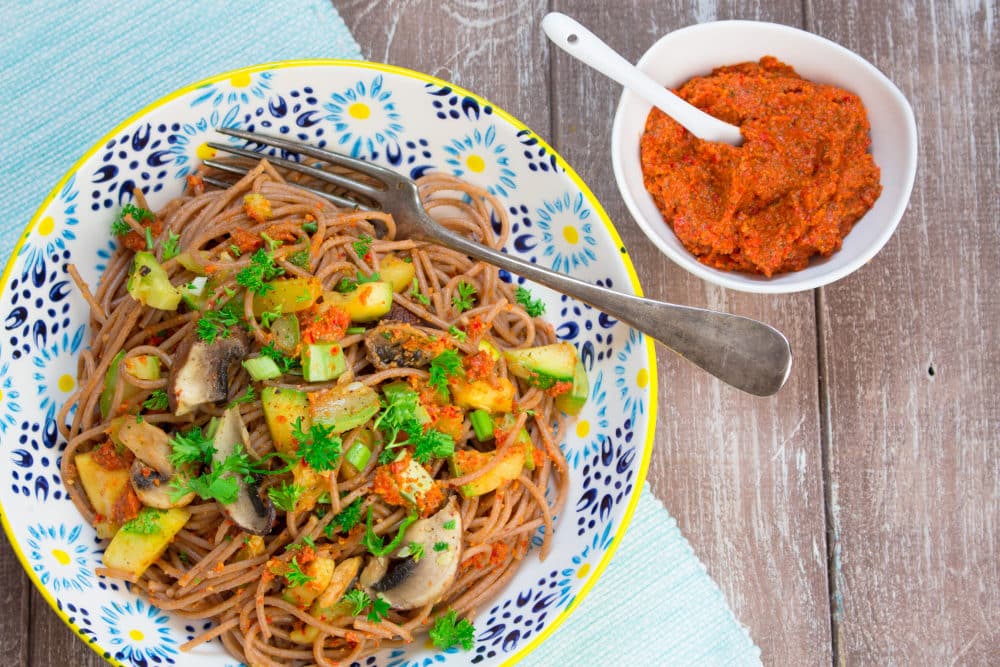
[(586, 47)]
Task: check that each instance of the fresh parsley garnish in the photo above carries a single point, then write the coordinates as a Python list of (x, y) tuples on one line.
[(416, 550), (457, 333), (463, 300), (448, 631), (375, 544), (216, 323), (363, 245), (346, 519), (449, 525), (249, 396), (310, 227), (295, 575), (534, 307), (157, 400), (440, 546), (319, 447), (256, 275), (191, 447), (120, 227), (272, 244), (360, 601), (398, 414), (300, 259), (147, 522), (443, 366), (285, 363), (416, 293), (268, 317), (432, 444), (286, 496), (170, 249)]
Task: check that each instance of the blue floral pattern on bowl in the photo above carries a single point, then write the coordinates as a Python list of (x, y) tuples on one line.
[(413, 124)]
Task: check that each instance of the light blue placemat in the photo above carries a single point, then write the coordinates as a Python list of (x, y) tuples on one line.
[(71, 70)]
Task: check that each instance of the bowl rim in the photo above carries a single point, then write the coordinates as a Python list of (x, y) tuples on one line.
[(518, 125), (747, 282)]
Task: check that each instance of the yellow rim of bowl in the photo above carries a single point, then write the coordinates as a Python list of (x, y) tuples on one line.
[(402, 71)]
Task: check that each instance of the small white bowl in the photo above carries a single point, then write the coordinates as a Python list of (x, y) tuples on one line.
[(695, 51)]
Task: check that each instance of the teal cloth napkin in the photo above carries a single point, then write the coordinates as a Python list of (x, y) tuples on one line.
[(74, 69)]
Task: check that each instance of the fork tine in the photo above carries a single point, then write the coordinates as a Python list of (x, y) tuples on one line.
[(319, 174), (239, 171), (361, 166)]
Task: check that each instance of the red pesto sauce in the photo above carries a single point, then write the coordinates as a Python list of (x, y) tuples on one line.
[(794, 189)]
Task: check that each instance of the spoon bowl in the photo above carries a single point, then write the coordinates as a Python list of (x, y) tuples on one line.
[(585, 46)]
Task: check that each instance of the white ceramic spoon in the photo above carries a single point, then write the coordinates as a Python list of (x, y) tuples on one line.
[(586, 47)]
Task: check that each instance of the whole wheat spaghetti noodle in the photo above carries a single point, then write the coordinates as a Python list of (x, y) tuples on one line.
[(301, 540)]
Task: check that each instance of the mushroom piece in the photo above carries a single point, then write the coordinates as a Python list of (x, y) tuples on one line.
[(394, 345), (249, 511), (151, 473), (200, 372), (407, 583)]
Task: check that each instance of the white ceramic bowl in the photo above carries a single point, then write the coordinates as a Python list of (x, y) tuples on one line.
[(696, 50)]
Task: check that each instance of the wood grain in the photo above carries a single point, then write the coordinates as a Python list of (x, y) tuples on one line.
[(15, 591), (742, 475), (911, 358), (898, 465)]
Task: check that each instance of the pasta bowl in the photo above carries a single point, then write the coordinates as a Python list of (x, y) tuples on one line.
[(696, 51), (410, 122)]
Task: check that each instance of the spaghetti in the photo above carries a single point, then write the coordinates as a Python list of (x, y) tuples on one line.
[(312, 536)]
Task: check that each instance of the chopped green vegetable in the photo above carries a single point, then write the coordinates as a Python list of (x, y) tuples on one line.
[(449, 525), (353, 331), (358, 455), (482, 424), (440, 546), (284, 362), (457, 333), (262, 368), (149, 284), (323, 361)]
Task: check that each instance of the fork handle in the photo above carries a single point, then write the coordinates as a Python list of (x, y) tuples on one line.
[(744, 353)]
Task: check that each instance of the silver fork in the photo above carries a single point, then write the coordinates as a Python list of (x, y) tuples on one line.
[(744, 353)]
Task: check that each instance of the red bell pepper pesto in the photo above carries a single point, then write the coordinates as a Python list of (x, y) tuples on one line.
[(794, 189)]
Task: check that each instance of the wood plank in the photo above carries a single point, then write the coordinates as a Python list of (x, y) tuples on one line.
[(911, 357), (14, 596), (52, 642), (741, 474)]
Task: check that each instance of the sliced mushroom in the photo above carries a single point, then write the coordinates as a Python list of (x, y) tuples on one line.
[(250, 511), (155, 488), (394, 345), (200, 373), (152, 473), (398, 313), (405, 582)]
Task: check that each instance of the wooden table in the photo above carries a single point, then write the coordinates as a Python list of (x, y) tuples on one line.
[(853, 518)]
